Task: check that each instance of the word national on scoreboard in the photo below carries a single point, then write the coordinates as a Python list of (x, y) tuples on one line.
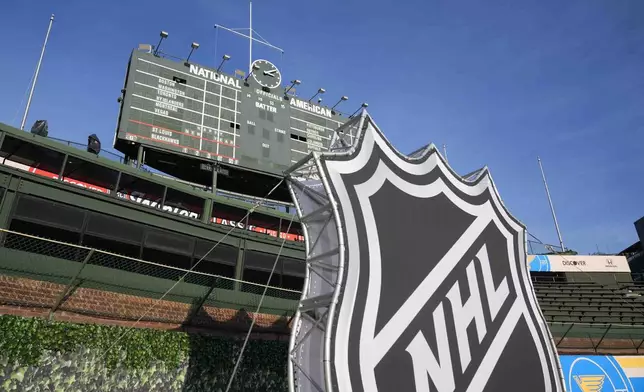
[(198, 112)]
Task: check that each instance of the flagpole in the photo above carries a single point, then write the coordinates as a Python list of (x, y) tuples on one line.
[(250, 41), (250, 37), (33, 84), (552, 208)]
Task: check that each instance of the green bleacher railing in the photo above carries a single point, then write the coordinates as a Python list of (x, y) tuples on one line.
[(73, 266)]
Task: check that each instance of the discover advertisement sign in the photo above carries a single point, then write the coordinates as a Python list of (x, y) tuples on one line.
[(578, 263)]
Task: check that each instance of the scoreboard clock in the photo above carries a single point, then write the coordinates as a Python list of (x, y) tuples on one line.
[(266, 74), (208, 116)]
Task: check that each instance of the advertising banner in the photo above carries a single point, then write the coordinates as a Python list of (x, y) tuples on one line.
[(578, 263), (603, 373)]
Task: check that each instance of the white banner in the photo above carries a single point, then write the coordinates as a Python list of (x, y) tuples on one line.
[(578, 263)]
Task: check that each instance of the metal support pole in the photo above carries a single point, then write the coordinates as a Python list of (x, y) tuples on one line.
[(64, 293), (139, 157), (239, 265), (637, 350), (61, 172), (207, 211), (214, 178), (279, 229), (164, 196), (564, 335), (552, 208), (117, 185), (2, 135), (250, 41), (602, 338), (198, 305), (33, 84)]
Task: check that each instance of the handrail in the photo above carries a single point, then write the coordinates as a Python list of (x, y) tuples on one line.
[(536, 279), (98, 251), (119, 157)]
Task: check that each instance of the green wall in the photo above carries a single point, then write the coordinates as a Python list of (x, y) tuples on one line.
[(36, 355)]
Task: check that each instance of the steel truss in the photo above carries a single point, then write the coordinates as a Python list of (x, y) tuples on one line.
[(318, 212)]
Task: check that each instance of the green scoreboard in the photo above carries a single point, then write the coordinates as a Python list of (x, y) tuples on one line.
[(198, 112)]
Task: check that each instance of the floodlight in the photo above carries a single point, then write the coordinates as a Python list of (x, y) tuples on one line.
[(294, 83), (193, 47), (224, 58), (342, 98), (320, 91), (254, 68), (363, 106), (163, 35)]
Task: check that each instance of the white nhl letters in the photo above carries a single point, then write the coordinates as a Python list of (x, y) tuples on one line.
[(424, 361), (441, 370), (465, 313)]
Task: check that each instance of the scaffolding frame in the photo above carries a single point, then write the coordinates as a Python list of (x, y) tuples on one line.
[(319, 216)]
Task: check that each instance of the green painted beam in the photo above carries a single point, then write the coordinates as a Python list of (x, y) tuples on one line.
[(73, 195), (39, 267)]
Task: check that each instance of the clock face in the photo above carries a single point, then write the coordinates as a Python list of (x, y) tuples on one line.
[(266, 74)]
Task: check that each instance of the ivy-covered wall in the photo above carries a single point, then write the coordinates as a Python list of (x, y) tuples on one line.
[(37, 355)]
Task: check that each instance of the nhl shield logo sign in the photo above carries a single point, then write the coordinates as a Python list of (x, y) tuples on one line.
[(434, 293)]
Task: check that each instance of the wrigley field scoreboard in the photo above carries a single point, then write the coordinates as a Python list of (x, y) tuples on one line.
[(206, 116)]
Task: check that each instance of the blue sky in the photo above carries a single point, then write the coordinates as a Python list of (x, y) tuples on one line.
[(499, 82)]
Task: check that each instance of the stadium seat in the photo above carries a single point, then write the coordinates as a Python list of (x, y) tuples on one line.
[(591, 302)]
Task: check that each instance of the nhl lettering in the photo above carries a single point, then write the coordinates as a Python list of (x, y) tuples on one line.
[(464, 314)]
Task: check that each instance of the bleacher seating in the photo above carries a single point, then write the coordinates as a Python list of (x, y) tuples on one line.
[(591, 303)]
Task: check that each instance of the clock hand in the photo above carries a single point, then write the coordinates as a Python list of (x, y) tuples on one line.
[(270, 73)]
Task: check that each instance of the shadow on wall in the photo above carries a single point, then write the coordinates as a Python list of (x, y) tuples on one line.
[(212, 359), (39, 355)]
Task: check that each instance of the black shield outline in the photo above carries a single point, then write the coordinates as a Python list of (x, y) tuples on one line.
[(353, 160)]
